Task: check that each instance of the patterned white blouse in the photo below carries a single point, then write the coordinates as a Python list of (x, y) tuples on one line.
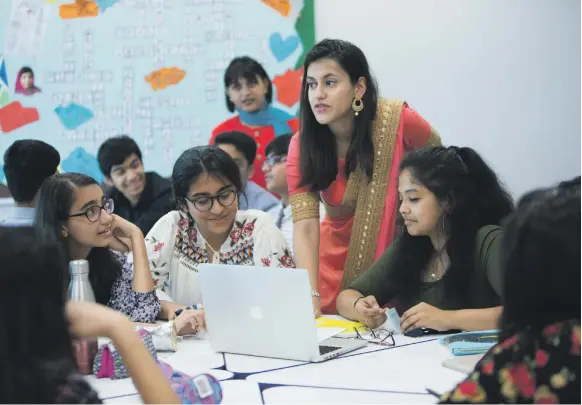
[(175, 248)]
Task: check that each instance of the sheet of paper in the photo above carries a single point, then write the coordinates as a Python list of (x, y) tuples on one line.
[(326, 333), (26, 28)]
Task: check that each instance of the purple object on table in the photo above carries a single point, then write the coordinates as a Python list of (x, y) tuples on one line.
[(201, 389)]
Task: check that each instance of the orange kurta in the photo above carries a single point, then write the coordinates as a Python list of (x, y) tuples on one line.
[(337, 231)]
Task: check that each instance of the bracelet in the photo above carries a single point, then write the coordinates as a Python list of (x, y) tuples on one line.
[(356, 301), (314, 293)]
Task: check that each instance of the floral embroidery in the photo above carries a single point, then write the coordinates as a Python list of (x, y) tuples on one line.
[(534, 366), (487, 367), (469, 390), (193, 235), (241, 231), (575, 339), (286, 260), (559, 380), (253, 241), (552, 330), (507, 343), (249, 228), (183, 223), (541, 358), (543, 395), (235, 235)]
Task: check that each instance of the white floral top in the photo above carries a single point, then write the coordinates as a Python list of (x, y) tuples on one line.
[(176, 247)]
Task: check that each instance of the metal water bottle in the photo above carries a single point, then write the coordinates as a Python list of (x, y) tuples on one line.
[(80, 290)]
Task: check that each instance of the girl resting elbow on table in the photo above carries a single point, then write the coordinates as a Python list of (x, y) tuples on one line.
[(537, 359), (36, 345), (209, 228), (443, 272)]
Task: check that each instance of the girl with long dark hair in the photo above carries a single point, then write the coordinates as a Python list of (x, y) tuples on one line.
[(443, 272)]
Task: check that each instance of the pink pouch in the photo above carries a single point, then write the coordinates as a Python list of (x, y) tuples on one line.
[(108, 363), (106, 369)]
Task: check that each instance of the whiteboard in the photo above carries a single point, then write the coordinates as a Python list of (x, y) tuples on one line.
[(152, 69)]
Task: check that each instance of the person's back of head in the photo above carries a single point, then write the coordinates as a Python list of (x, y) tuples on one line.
[(541, 259), (116, 150), (279, 146), (34, 339), (241, 141), (27, 164)]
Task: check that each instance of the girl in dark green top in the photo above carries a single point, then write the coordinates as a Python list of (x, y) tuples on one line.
[(442, 272)]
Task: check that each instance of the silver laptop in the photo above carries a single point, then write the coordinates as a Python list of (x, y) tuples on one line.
[(264, 311)]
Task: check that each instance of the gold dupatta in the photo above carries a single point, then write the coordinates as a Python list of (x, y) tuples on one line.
[(368, 197)]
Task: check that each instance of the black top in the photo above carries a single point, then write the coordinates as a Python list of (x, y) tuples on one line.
[(156, 201)]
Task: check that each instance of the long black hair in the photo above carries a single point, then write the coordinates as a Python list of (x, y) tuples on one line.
[(318, 158), (244, 67), (35, 343), (541, 260), (472, 196), (198, 160), (56, 197)]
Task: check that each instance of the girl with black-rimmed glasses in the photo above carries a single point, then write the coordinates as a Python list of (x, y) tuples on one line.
[(71, 206), (209, 228)]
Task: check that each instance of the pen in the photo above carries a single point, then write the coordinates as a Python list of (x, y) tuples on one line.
[(433, 393)]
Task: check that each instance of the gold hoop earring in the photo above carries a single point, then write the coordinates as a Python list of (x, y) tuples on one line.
[(357, 106)]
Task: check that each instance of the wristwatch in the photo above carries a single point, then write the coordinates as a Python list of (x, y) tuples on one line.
[(315, 294)]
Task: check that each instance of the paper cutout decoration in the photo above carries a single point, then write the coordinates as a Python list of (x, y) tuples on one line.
[(105, 4), (288, 86), (78, 9), (283, 7), (3, 75), (4, 94), (14, 116), (283, 48), (73, 115), (4, 97), (162, 78), (79, 161)]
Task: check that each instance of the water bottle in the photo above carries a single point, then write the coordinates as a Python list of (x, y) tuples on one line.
[(80, 290)]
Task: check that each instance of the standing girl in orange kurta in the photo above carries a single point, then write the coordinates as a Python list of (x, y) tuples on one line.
[(347, 152)]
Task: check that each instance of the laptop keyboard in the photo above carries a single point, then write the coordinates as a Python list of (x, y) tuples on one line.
[(326, 349)]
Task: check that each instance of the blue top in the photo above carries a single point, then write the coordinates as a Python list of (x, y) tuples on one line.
[(257, 198), (18, 217)]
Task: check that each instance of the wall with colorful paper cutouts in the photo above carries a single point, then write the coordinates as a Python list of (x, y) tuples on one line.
[(75, 72)]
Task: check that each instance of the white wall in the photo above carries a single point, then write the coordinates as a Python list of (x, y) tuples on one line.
[(501, 76)]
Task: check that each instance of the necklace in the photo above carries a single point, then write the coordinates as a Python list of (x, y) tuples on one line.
[(215, 254), (441, 262)]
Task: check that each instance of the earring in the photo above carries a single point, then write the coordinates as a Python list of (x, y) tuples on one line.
[(357, 106)]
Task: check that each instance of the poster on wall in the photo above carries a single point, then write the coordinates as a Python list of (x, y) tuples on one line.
[(76, 72)]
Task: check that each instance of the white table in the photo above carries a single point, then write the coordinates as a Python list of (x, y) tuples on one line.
[(408, 369), (233, 391), (241, 364), (304, 395), (193, 356)]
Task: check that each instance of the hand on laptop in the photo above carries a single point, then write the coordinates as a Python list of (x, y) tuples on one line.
[(370, 312), (190, 322)]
